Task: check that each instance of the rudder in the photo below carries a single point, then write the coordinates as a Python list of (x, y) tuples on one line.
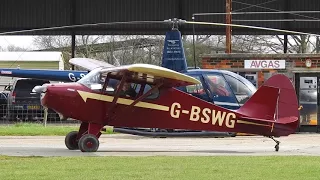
[(275, 99)]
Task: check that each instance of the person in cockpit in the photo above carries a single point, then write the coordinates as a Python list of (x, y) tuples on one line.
[(127, 90)]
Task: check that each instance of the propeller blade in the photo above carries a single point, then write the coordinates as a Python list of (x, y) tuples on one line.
[(40, 89)]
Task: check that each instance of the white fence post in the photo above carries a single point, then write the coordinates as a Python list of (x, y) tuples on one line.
[(45, 118)]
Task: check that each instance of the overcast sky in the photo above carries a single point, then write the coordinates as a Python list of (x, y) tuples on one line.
[(21, 41)]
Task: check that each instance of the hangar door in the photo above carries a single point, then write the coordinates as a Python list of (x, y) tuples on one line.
[(308, 92)]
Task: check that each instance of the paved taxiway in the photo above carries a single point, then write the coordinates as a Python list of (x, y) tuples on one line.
[(127, 145)]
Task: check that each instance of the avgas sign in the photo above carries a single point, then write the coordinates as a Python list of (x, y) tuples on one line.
[(264, 64)]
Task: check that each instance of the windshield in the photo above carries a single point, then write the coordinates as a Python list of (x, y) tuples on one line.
[(94, 77)]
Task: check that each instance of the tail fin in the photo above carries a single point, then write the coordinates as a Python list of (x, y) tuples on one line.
[(173, 53), (275, 100)]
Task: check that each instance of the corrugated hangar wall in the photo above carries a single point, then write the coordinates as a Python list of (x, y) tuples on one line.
[(29, 14)]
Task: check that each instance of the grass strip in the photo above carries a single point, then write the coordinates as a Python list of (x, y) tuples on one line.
[(33, 129), (159, 167)]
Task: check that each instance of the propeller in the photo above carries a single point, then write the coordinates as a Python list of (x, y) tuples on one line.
[(40, 89)]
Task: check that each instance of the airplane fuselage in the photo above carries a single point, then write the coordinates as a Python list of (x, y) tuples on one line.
[(172, 109)]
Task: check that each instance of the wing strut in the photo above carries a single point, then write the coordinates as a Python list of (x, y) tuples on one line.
[(140, 98), (146, 94), (116, 96)]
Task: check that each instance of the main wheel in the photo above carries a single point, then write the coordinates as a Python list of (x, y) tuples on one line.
[(88, 143), (71, 140)]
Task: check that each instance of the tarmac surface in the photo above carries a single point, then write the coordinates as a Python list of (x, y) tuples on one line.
[(129, 145)]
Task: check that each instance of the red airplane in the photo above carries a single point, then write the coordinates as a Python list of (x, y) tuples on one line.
[(142, 95)]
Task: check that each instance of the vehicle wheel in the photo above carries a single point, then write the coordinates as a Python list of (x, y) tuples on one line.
[(88, 143), (71, 140)]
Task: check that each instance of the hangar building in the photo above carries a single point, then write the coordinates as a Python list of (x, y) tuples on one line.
[(29, 60)]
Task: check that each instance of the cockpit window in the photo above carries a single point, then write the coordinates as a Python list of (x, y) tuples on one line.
[(241, 91), (130, 90), (153, 95), (93, 80)]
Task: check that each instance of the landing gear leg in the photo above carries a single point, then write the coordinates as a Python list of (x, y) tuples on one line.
[(277, 145), (88, 137)]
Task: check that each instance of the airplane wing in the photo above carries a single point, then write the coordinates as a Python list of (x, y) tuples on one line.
[(89, 64), (151, 74)]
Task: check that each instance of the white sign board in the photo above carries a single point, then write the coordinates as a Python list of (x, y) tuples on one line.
[(264, 64)]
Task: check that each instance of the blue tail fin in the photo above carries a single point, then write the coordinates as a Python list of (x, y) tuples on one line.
[(173, 53)]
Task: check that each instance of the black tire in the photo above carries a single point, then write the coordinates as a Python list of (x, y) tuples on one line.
[(88, 143), (71, 140)]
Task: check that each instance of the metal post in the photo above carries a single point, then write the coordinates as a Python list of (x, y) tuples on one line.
[(73, 46), (73, 18), (285, 43), (285, 38), (228, 28)]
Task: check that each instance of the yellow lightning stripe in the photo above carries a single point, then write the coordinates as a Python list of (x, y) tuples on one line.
[(87, 95), (251, 123)]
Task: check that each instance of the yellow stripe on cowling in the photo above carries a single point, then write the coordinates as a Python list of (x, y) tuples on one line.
[(252, 123), (87, 95), (162, 72)]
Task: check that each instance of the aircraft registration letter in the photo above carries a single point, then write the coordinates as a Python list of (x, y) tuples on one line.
[(205, 115)]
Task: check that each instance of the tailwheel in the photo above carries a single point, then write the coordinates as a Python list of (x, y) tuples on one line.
[(277, 145), (71, 140), (88, 143)]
